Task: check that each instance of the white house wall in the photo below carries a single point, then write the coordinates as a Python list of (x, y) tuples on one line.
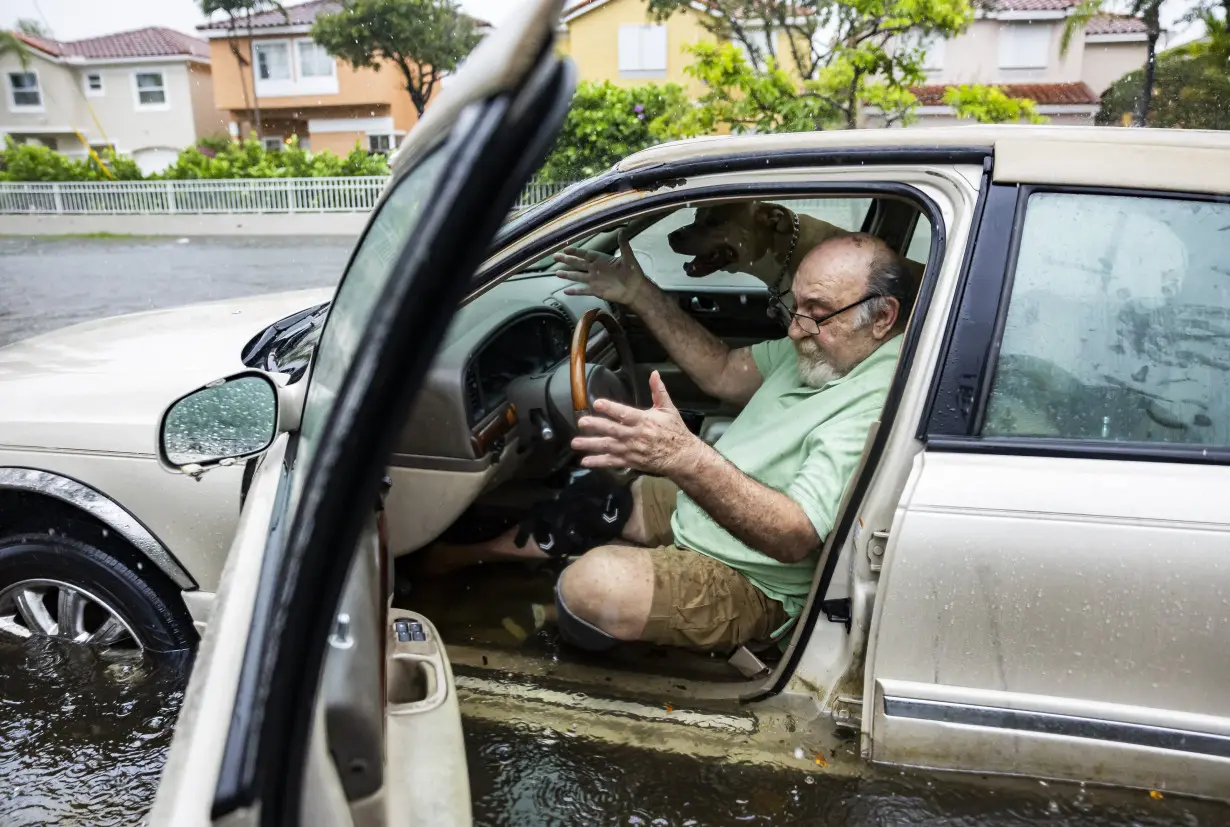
[(973, 57)]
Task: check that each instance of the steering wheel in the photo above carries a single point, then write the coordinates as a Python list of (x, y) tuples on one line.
[(591, 382)]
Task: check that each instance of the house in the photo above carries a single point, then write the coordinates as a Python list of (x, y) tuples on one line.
[(301, 89), (1014, 44), (147, 93), (616, 40)]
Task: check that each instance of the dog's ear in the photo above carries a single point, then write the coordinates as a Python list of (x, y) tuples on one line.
[(775, 216)]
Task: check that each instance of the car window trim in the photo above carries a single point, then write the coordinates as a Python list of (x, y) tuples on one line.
[(659, 176), (503, 267), (973, 348)]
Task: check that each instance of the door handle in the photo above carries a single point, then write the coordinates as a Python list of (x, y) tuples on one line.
[(700, 305)]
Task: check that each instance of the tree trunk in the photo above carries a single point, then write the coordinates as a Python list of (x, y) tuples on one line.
[(243, 86), (256, 101), (1154, 31)]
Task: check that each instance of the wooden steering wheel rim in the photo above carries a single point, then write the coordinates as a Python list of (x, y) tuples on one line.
[(580, 345)]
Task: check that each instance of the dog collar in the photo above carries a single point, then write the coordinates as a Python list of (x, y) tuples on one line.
[(794, 243)]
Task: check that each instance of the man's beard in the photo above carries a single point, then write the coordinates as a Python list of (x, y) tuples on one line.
[(816, 369)]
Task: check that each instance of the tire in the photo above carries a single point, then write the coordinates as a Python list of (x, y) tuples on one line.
[(51, 564)]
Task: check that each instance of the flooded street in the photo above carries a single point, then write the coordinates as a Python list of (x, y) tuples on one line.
[(83, 738), (48, 283)]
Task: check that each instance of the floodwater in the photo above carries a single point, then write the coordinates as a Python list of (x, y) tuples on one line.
[(47, 283), (83, 740)]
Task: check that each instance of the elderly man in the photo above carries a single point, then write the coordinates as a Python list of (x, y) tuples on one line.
[(727, 537)]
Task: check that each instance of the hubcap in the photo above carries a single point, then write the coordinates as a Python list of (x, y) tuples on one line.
[(51, 608)]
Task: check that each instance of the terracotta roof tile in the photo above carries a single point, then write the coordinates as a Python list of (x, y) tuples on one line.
[(1043, 94), (149, 42), (1115, 24), (1034, 5)]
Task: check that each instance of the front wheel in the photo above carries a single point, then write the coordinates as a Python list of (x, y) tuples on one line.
[(56, 586)]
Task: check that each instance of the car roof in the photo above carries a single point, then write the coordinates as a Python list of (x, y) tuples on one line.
[(1100, 156)]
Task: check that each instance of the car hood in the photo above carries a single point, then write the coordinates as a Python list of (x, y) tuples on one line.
[(102, 386)]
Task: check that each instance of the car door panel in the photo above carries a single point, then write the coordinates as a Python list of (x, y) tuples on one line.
[(1024, 603), (1052, 600), (426, 750)]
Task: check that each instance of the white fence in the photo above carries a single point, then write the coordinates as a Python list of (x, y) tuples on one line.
[(263, 195)]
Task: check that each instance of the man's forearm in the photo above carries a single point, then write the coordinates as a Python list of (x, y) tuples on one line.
[(701, 355), (759, 516)]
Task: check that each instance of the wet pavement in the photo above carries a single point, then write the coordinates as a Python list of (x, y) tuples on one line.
[(47, 283)]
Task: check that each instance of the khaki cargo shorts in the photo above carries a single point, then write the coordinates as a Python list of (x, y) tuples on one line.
[(698, 602)]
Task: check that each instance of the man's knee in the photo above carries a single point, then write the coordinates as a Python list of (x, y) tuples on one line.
[(610, 588)]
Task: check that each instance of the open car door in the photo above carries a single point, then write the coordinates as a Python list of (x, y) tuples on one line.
[(309, 703)]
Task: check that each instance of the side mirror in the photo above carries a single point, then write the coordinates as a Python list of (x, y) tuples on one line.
[(225, 421)]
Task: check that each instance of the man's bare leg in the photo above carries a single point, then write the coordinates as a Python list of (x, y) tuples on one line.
[(441, 558), (611, 587)]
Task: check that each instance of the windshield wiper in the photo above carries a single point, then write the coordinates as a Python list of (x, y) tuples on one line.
[(257, 354)]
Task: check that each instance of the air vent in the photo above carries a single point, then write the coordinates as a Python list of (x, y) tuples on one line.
[(474, 395)]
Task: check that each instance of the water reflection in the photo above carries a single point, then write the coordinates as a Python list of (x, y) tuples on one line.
[(527, 776), (83, 737)]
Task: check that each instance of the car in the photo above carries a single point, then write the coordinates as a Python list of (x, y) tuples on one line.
[(1025, 576)]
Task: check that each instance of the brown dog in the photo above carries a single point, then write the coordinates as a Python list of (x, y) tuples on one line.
[(754, 237)]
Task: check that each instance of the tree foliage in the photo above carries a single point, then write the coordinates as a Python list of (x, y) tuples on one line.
[(11, 44), (1150, 13), (424, 39), (1192, 89), (250, 159), (989, 104), (816, 63), (606, 122), (35, 162)]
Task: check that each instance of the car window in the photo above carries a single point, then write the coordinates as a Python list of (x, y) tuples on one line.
[(665, 266), (362, 286), (920, 242), (1118, 325)]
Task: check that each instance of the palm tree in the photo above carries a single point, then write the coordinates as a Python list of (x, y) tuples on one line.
[(1148, 12)]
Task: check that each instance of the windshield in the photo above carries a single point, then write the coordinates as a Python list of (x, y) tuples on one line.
[(372, 267)]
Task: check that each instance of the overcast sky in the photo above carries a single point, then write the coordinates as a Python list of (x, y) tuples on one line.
[(75, 19)]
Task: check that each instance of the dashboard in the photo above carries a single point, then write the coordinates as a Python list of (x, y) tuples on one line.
[(522, 327), (529, 345)]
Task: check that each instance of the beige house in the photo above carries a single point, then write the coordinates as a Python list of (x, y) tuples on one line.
[(301, 89), (1016, 44), (148, 93)]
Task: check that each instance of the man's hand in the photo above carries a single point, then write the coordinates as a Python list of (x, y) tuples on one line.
[(619, 280), (654, 441)]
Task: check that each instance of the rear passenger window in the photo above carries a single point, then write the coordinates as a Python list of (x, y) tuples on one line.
[(1118, 326), (665, 267)]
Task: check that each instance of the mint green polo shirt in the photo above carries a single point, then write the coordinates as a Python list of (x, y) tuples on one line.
[(802, 441)]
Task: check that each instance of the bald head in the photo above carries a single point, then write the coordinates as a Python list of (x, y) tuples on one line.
[(853, 266)]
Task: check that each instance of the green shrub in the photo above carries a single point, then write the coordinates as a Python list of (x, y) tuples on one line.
[(33, 162), (606, 122)]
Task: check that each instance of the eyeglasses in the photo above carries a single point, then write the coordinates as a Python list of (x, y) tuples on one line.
[(810, 324)]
